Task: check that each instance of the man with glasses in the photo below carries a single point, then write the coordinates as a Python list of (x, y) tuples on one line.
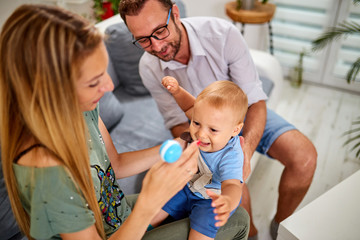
[(198, 51)]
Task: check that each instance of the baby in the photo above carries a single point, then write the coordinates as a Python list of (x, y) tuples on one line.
[(217, 117)]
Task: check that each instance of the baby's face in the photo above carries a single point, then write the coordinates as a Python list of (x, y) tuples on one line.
[(213, 127)]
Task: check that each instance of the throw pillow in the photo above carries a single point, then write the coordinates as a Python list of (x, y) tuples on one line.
[(111, 110), (125, 58)]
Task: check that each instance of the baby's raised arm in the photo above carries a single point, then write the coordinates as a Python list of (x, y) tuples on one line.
[(182, 97), (171, 84)]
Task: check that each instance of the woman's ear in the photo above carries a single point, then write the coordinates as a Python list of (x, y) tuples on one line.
[(237, 129)]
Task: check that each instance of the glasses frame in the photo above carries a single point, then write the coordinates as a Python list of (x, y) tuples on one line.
[(136, 42)]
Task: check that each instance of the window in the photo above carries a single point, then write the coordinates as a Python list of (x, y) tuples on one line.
[(297, 23)]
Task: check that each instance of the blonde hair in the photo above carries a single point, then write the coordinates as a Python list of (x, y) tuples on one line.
[(41, 51), (226, 93)]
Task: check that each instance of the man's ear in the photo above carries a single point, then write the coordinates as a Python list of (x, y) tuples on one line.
[(237, 129), (175, 12)]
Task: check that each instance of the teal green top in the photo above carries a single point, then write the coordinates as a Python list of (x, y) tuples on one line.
[(53, 202)]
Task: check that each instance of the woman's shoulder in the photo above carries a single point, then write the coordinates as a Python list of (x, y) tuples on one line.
[(36, 155), (52, 200)]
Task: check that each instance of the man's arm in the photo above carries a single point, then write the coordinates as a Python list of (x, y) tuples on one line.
[(254, 126)]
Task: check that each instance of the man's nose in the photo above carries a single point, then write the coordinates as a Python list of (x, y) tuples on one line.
[(156, 45)]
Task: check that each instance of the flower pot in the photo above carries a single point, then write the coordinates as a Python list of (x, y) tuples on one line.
[(296, 76), (247, 4)]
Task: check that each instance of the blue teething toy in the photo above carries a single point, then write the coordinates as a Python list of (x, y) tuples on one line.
[(170, 151)]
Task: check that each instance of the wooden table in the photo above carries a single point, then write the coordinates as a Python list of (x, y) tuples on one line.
[(261, 13)]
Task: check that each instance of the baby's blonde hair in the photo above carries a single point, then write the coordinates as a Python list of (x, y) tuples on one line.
[(226, 93)]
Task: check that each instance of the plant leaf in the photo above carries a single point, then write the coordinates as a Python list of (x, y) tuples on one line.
[(358, 153), (351, 131), (334, 33), (352, 139), (355, 146), (353, 72)]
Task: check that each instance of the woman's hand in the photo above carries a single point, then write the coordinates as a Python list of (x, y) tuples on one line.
[(164, 180)]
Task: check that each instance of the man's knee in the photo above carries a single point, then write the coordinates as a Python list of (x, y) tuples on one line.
[(307, 158), (296, 152), (304, 160)]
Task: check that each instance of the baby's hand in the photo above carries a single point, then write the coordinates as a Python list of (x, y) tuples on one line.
[(222, 209), (171, 84)]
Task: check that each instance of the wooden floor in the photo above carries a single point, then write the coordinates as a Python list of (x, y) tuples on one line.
[(323, 115)]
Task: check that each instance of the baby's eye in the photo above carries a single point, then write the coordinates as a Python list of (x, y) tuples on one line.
[(196, 123), (213, 130)]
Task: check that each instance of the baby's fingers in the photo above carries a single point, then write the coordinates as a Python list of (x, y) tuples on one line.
[(221, 219)]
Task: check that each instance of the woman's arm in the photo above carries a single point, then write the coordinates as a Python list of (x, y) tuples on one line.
[(162, 182), (128, 163)]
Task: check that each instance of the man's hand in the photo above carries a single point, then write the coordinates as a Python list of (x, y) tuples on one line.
[(247, 157)]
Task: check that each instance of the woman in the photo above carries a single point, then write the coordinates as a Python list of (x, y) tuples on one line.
[(59, 162), (53, 73)]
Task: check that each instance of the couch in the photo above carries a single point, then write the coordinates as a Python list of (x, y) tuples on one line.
[(131, 114)]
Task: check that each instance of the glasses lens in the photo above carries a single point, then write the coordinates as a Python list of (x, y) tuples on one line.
[(161, 33), (143, 43)]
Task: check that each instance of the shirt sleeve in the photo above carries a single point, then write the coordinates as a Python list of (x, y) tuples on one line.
[(231, 165), (242, 69), (57, 206), (151, 76)]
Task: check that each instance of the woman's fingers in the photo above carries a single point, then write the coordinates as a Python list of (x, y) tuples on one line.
[(188, 159), (164, 180)]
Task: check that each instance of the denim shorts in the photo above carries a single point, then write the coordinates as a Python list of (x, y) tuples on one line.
[(200, 212), (275, 126)]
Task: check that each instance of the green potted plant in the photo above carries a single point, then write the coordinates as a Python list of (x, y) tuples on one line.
[(334, 33), (105, 8), (296, 74), (247, 4)]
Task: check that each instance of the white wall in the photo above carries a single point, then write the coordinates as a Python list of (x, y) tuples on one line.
[(256, 35), (82, 7)]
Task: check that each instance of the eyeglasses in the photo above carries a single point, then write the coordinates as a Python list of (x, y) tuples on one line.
[(159, 34)]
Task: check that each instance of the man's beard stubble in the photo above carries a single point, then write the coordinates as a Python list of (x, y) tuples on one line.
[(175, 46)]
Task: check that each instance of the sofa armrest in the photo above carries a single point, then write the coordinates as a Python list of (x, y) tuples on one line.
[(269, 67)]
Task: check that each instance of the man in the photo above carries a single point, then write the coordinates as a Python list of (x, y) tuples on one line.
[(198, 51)]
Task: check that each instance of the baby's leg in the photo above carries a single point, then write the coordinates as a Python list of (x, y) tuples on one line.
[(195, 235), (159, 218)]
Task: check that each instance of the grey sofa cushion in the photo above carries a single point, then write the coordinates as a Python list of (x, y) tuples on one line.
[(125, 58), (267, 85), (8, 226), (111, 110)]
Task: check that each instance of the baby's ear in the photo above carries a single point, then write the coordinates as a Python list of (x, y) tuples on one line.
[(237, 129)]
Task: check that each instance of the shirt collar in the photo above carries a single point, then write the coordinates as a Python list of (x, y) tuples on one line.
[(196, 49)]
